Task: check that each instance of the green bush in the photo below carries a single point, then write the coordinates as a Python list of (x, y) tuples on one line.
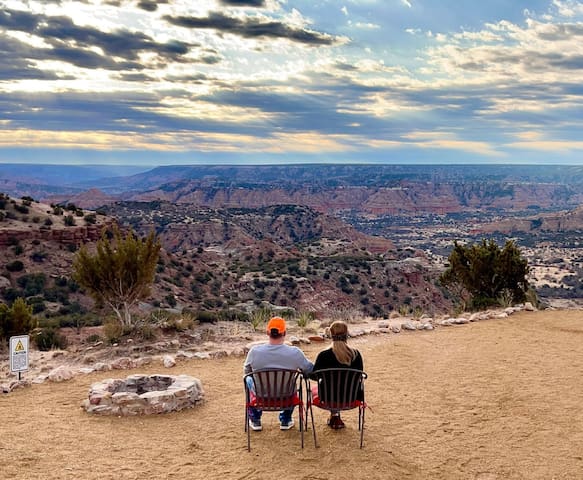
[(15, 266), (38, 257), (50, 338), (113, 331), (170, 300), (17, 319), (479, 275), (204, 316), (32, 284), (93, 338), (21, 208), (146, 332)]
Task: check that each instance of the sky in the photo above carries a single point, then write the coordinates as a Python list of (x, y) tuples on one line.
[(141, 82)]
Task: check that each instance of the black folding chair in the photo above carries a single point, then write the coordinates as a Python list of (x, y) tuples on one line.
[(337, 389), (273, 390)]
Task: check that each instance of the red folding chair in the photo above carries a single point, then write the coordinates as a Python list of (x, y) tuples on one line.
[(337, 389), (273, 390)]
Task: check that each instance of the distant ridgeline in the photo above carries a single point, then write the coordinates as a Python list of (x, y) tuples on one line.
[(330, 188)]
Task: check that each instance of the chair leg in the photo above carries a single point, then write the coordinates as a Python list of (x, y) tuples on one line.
[(361, 426), (301, 414), (311, 413), (247, 429)]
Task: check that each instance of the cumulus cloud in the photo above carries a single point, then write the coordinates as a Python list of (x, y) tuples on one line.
[(82, 46), (568, 8), (185, 75)]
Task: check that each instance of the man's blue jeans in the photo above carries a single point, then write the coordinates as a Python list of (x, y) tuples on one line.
[(255, 413)]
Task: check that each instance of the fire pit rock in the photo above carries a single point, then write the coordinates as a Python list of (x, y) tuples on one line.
[(144, 395)]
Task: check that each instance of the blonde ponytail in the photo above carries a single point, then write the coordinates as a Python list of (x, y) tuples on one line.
[(343, 353)]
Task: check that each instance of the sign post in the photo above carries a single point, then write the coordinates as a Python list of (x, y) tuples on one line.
[(19, 354)]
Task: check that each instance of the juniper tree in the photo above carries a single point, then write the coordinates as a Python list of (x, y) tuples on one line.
[(120, 272), (17, 319), (485, 271)]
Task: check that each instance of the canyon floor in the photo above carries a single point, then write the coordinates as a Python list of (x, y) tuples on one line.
[(492, 400)]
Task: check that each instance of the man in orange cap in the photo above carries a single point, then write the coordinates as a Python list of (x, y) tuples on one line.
[(275, 354)]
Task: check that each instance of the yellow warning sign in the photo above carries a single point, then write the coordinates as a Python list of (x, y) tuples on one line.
[(19, 347)]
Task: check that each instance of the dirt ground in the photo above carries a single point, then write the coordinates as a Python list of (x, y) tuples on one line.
[(497, 399)]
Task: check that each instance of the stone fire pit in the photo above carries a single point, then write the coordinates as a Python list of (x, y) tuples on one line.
[(144, 395)]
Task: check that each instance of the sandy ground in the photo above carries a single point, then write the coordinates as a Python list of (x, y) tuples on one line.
[(498, 399)]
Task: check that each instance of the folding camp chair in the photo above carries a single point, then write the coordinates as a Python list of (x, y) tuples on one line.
[(273, 390), (337, 389)]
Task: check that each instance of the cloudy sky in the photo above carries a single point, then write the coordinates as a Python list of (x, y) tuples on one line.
[(145, 82)]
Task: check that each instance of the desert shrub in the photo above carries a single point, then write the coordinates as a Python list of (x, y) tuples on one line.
[(10, 294), (17, 319), (145, 332), (93, 338), (506, 298), (21, 209), (418, 312), (90, 218), (73, 286), (532, 297), (304, 318), (48, 222), (61, 281), (479, 274), (70, 221), (113, 331), (404, 310), (38, 256), (50, 338), (177, 322), (56, 294), (37, 304), (15, 266), (232, 315), (32, 284), (72, 309), (170, 300), (159, 316), (18, 249), (259, 317), (205, 316)]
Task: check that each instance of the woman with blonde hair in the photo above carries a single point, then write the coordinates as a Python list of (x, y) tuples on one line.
[(339, 355)]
